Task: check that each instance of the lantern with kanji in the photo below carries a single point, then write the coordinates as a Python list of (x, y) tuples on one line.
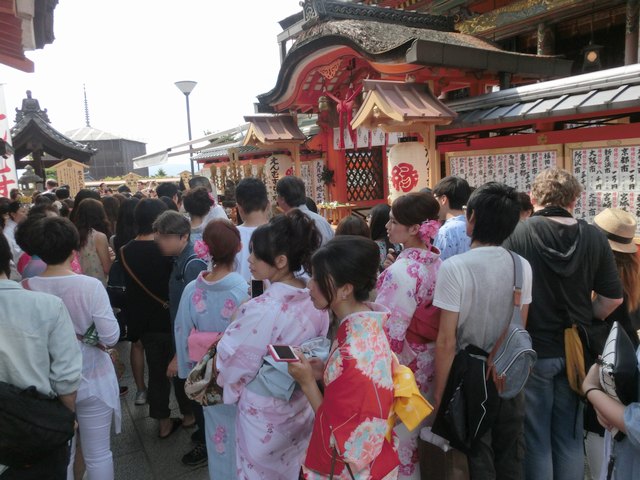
[(407, 167)]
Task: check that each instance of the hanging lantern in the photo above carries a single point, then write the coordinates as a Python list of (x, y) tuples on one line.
[(323, 103), (407, 167), (592, 57)]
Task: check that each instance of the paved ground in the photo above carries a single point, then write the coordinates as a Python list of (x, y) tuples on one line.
[(138, 452)]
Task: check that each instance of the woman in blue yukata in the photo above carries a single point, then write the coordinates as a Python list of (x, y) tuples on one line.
[(207, 305)]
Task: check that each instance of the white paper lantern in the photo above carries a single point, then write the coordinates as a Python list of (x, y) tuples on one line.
[(407, 169), (275, 168)]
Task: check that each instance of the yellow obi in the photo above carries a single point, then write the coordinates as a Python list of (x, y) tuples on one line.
[(409, 406)]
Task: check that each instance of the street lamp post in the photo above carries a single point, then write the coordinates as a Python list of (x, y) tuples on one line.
[(186, 87)]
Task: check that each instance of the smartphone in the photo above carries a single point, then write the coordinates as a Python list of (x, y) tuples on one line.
[(283, 353), (257, 288)]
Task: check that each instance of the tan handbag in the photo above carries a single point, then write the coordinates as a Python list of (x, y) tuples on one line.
[(200, 385)]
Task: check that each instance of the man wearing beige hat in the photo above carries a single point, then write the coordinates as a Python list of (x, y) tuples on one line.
[(570, 259)]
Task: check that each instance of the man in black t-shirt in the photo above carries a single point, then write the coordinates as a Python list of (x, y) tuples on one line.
[(570, 259)]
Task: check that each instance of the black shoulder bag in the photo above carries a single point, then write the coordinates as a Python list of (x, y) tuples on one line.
[(32, 425)]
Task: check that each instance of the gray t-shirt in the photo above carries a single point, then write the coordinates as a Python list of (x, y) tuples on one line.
[(479, 285), (321, 223)]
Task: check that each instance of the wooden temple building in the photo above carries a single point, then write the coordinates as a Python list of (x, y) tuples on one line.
[(114, 153), (404, 92), (37, 143)]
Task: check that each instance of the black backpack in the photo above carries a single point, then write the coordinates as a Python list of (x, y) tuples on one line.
[(32, 425)]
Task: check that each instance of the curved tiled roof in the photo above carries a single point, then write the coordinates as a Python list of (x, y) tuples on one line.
[(395, 43), (377, 38), (32, 128)]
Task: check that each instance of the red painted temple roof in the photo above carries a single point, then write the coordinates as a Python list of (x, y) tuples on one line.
[(24, 30), (381, 42), (11, 50)]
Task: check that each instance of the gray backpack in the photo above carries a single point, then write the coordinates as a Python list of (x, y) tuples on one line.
[(512, 358)]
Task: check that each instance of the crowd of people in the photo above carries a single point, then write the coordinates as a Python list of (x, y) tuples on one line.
[(414, 284)]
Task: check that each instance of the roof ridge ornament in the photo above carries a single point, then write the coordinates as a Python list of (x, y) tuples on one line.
[(315, 11), (31, 107)]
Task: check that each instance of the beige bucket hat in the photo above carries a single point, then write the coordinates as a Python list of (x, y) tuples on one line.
[(619, 227)]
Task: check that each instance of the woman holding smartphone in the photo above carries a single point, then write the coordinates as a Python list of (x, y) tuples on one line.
[(271, 433), (351, 423)]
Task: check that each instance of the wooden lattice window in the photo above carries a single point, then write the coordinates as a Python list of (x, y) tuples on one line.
[(364, 175)]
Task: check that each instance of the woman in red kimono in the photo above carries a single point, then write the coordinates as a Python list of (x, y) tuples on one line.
[(351, 423)]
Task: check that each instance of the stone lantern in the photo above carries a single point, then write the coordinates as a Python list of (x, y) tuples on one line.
[(29, 182)]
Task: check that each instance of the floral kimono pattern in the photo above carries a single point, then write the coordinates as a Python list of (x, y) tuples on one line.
[(410, 281), (271, 434), (220, 432), (358, 398), (209, 307)]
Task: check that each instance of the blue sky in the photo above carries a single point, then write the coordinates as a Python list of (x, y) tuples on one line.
[(129, 53)]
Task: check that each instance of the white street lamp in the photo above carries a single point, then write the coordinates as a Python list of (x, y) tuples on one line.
[(186, 87)]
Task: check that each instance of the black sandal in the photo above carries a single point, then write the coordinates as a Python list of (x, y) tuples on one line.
[(176, 423)]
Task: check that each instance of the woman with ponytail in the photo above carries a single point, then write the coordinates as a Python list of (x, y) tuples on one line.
[(272, 433), (406, 288)]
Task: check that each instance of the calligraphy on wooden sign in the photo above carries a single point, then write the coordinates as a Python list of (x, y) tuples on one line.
[(70, 172), (516, 169), (609, 176), (306, 176), (318, 183)]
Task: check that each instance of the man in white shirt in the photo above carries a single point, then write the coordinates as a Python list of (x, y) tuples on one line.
[(38, 347), (253, 207), (474, 291), (291, 194), (51, 185), (217, 210), (16, 214)]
